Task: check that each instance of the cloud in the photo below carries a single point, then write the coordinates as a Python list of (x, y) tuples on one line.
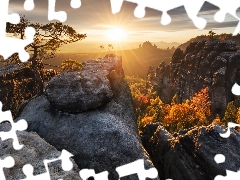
[(95, 16)]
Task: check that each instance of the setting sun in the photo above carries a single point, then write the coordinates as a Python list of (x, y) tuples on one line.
[(116, 34)]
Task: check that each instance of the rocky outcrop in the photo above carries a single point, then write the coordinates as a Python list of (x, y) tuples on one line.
[(34, 152), (101, 137), (190, 154), (213, 64), (16, 85)]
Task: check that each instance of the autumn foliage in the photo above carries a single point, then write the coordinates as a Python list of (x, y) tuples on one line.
[(175, 116), (178, 114), (188, 113)]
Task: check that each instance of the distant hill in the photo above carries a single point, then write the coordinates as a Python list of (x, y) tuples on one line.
[(163, 44), (205, 37), (94, 47)]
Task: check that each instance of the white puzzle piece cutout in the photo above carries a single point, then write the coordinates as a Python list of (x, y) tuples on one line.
[(8, 162), (67, 165), (137, 167), (21, 125), (9, 45), (192, 8), (231, 175), (52, 14), (87, 173)]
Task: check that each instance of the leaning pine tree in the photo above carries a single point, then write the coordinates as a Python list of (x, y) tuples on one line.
[(48, 39)]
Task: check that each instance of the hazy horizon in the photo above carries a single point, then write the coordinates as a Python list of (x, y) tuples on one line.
[(94, 47)]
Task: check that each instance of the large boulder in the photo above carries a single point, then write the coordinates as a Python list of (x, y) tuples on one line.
[(35, 150), (101, 138), (79, 91), (190, 155)]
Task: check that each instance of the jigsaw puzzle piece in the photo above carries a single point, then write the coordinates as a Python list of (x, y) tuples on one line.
[(231, 175), (60, 15), (28, 171), (21, 125), (219, 158), (8, 162), (87, 173), (53, 15), (17, 45), (160, 5), (5, 17), (192, 8), (236, 89), (225, 7), (8, 45), (227, 133), (137, 167), (116, 5), (237, 30), (67, 165), (29, 5), (229, 7), (75, 4)]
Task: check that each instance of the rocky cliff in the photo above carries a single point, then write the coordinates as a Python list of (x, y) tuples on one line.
[(90, 113), (214, 64), (16, 85), (190, 154)]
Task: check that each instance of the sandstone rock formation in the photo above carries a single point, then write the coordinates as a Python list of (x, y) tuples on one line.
[(190, 154), (214, 64), (34, 151), (16, 85), (102, 137)]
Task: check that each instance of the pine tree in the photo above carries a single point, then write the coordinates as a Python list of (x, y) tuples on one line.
[(70, 65), (230, 114)]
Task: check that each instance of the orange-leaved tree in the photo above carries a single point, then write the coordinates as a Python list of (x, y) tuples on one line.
[(202, 107), (189, 113)]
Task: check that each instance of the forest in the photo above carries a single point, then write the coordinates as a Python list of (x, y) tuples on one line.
[(177, 115)]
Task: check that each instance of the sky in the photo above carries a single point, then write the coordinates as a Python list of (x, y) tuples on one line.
[(95, 19)]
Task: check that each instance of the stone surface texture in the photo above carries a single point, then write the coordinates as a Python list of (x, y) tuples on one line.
[(190, 154), (79, 91)]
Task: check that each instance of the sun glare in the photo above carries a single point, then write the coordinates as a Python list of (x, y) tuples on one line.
[(116, 34)]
